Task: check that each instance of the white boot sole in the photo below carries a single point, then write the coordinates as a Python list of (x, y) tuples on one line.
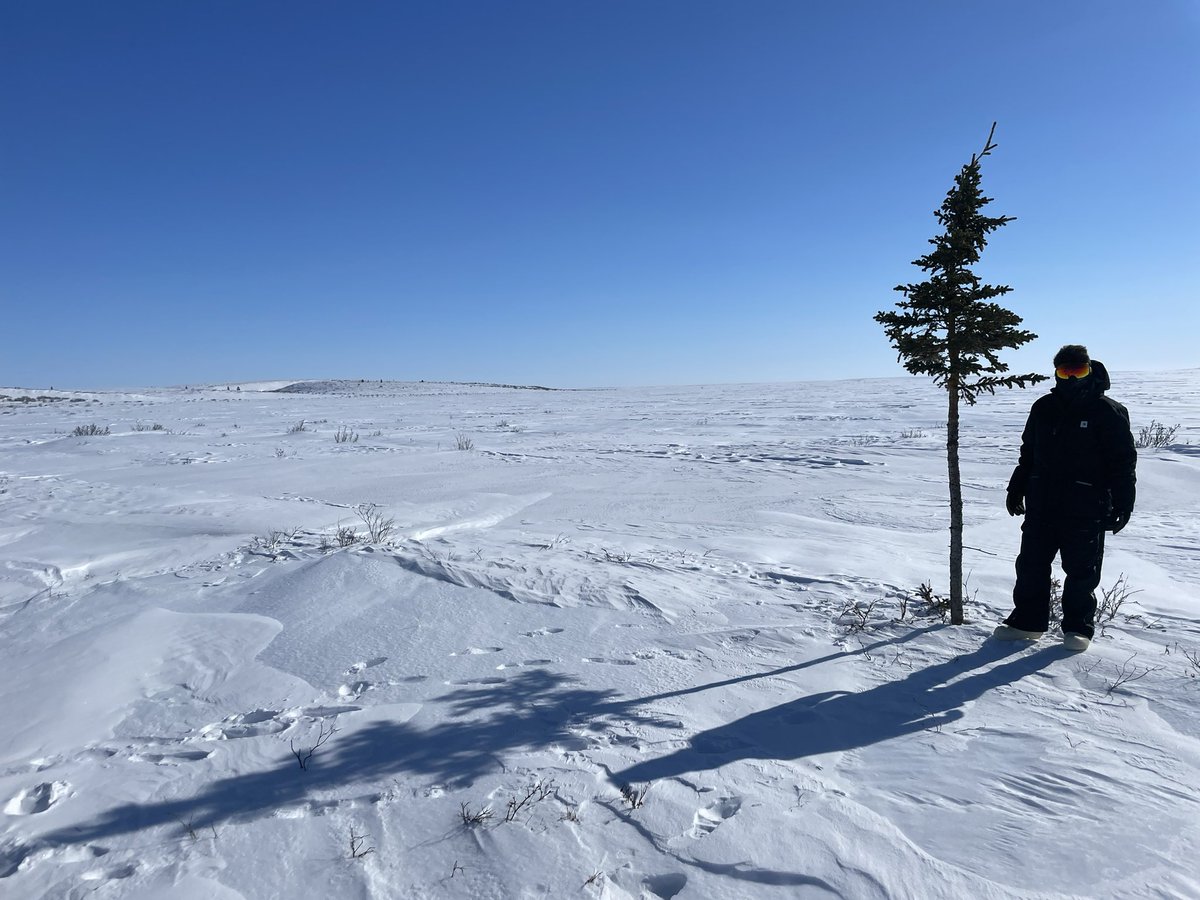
[(1008, 633)]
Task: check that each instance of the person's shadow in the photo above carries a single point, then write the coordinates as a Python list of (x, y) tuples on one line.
[(842, 720)]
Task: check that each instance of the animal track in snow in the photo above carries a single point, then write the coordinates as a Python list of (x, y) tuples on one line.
[(305, 809), (267, 721), (37, 799), (113, 874), (611, 662), (541, 632), (368, 664), (709, 817), (476, 651), (528, 662)]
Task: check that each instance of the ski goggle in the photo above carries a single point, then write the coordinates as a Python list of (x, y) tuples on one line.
[(1067, 372)]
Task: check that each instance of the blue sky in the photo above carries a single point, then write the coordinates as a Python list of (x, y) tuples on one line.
[(578, 193)]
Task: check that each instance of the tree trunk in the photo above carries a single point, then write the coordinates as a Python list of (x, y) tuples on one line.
[(956, 508)]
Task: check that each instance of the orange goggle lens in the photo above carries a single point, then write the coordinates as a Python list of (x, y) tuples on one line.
[(1065, 372)]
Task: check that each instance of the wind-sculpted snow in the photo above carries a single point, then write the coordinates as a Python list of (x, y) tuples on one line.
[(667, 638)]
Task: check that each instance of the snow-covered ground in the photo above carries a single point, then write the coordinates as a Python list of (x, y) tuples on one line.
[(666, 637)]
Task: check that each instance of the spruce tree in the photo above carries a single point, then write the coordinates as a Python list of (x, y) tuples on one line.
[(948, 327)]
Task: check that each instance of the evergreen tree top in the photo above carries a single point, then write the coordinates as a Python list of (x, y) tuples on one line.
[(948, 326)]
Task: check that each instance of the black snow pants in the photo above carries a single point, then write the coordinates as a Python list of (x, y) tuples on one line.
[(1081, 545)]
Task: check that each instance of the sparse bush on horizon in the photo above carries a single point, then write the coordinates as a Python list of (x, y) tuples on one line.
[(275, 538), (90, 430), (298, 427)]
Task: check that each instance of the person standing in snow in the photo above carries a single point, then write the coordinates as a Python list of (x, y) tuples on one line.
[(1074, 481)]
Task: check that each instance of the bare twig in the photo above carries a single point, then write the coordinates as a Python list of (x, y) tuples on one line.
[(1193, 657), (859, 615), (634, 797), (1128, 672), (987, 148), (1111, 601), (356, 845), (304, 756), (536, 793)]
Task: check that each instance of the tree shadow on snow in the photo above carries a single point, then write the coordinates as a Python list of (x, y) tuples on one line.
[(534, 709), (538, 708)]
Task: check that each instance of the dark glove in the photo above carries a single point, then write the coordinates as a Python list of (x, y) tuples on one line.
[(1123, 496), (1015, 504)]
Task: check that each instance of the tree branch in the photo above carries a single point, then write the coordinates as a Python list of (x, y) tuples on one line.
[(988, 147)]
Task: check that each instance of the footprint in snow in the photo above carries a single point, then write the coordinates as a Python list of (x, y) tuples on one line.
[(75, 854), (244, 725), (113, 874), (11, 858), (322, 712), (706, 820), (665, 886), (611, 662), (354, 689), (267, 721), (37, 799), (171, 757), (541, 632), (476, 651)]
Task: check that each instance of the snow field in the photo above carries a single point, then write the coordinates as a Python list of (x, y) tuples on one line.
[(614, 592)]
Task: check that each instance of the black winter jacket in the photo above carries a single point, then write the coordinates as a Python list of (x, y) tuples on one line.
[(1078, 460)]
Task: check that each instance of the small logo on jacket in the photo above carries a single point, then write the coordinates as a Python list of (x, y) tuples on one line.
[(1083, 424)]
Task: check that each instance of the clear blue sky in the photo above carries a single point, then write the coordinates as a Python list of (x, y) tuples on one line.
[(578, 193)]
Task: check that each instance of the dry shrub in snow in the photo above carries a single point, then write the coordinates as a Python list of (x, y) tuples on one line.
[(473, 818), (379, 526), (1156, 434), (935, 604)]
